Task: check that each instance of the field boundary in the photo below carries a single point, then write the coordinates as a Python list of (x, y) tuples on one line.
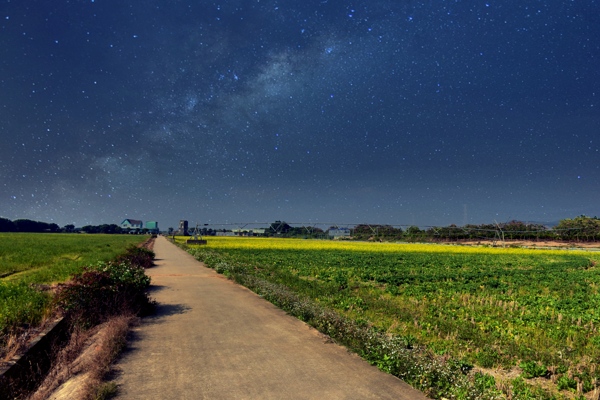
[(34, 362)]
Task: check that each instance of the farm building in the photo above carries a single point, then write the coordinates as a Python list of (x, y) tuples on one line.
[(132, 225), (183, 228), (152, 226), (338, 233), (249, 232)]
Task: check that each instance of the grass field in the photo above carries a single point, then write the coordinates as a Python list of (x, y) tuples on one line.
[(29, 258), (47, 258), (495, 308)]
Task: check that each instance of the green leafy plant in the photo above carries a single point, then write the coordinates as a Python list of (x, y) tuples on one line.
[(564, 382), (138, 256), (484, 381), (533, 369), (106, 289)]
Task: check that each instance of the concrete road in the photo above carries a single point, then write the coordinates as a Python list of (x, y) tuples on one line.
[(213, 339)]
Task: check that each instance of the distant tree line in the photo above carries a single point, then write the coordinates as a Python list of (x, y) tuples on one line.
[(27, 225), (379, 232), (104, 228), (283, 229), (579, 229)]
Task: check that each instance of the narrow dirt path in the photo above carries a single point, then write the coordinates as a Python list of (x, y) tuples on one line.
[(213, 339)]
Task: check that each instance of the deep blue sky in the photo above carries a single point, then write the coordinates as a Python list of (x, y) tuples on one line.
[(379, 111)]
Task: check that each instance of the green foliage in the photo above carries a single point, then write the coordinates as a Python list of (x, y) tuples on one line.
[(104, 290), (377, 232), (20, 305), (581, 228), (488, 358), (126, 273), (27, 225), (393, 354), (523, 391), (283, 229), (484, 382), (28, 259), (6, 225), (533, 369), (47, 258), (564, 382), (139, 256), (104, 228)]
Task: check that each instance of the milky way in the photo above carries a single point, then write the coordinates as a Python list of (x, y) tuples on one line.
[(380, 111)]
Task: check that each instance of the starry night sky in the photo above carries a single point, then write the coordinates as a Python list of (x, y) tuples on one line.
[(379, 111)]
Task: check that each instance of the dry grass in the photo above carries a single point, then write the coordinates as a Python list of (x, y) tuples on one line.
[(80, 367), (17, 341), (15, 344)]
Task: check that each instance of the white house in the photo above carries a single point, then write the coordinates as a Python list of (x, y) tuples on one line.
[(132, 225)]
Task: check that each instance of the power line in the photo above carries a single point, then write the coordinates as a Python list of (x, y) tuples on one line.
[(502, 227)]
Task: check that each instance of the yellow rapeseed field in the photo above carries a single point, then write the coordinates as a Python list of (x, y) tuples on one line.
[(259, 243)]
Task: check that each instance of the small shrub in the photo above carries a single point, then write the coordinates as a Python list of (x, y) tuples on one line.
[(138, 256), (532, 369), (394, 290), (222, 267), (89, 293), (465, 367), (107, 390), (126, 274), (409, 341), (564, 382), (107, 289), (488, 358), (484, 382), (341, 280)]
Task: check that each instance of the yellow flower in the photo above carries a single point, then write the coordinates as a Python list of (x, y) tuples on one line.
[(258, 243)]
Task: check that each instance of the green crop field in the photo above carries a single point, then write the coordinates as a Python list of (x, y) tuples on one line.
[(27, 259), (494, 308)]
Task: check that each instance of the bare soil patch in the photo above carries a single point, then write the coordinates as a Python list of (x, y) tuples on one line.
[(535, 244)]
